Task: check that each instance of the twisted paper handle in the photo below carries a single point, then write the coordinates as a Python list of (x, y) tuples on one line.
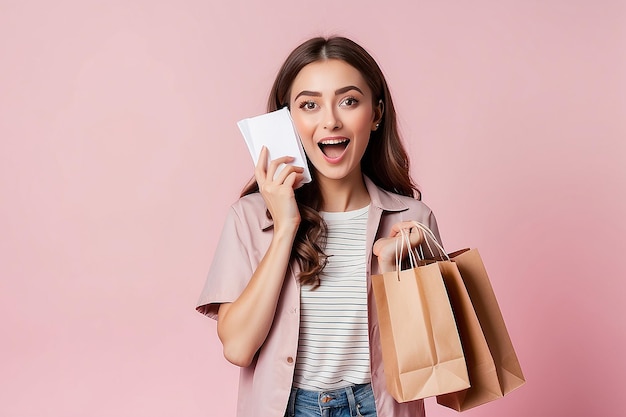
[(428, 233), (405, 239), (413, 253)]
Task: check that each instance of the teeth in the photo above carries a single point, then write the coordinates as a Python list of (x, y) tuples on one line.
[(333, 141)]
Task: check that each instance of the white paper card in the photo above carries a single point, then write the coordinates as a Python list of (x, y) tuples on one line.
[(276, 131)]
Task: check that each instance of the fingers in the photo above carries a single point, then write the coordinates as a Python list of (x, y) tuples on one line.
[(267, 171), (389, 250), (396, 228), (278, 190), (416, 236), (289, 171), (294, 178), (408, 226)]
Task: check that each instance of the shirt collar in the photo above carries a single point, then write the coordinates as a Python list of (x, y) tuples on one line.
[(384, 200)]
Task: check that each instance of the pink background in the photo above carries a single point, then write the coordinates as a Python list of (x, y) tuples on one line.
[(119, 156)]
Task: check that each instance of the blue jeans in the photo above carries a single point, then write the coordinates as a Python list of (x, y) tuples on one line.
[(353, 401)]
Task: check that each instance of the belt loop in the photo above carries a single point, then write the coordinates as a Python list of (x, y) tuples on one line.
[(351, 401)]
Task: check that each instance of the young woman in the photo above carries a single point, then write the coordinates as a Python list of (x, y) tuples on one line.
[(290, 280)]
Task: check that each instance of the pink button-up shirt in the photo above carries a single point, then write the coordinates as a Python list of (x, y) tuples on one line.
[(265, 385)]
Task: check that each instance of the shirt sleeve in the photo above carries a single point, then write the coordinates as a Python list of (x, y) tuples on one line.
[(230, 269)]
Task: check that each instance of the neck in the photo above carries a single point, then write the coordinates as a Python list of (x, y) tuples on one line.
[(343, 195)]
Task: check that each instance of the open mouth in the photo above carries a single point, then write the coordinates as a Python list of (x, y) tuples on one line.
[(334, 148)]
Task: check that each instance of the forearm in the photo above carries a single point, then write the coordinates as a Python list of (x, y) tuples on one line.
[(244, 324)]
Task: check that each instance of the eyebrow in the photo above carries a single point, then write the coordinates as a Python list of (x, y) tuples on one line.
[(337, 92)]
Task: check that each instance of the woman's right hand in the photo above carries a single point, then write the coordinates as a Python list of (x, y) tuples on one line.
[(244, 324), (278, 192)]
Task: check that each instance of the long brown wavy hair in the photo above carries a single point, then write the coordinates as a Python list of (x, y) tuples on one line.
[(385, 160)]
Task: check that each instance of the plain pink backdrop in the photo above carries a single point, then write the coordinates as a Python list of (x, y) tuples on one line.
[(119, 156)]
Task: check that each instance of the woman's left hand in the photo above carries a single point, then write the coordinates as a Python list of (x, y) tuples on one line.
[(385, 248)]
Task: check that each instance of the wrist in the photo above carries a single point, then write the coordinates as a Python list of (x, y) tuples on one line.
[(286, 231)]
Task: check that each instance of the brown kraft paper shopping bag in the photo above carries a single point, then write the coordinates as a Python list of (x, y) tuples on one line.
[(493, 367), (486, 385), (481, 368), (422, 353)]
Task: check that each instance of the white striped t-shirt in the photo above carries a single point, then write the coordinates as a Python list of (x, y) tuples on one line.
[(333, 349)]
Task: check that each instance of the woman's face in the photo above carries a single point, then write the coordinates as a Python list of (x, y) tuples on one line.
[(331, 106)]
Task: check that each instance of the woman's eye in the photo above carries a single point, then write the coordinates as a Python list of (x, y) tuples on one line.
[(308, 105), (350, 101)]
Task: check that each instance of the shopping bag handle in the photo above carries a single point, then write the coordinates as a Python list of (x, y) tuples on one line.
[(429, 233), (404, 238), (413, 254)]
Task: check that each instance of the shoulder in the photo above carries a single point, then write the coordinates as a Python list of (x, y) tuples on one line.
[(396, 207), (391, 202), (417, 206), (413, 210), (411, 202), (251, 203), (251, 211)]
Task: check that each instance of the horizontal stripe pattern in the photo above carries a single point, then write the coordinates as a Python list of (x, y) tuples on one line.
[(333, 349)]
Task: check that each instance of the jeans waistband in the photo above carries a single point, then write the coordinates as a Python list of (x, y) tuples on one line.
[(341, 397)]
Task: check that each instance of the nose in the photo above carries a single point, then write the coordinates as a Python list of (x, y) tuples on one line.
[(331, 119)]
